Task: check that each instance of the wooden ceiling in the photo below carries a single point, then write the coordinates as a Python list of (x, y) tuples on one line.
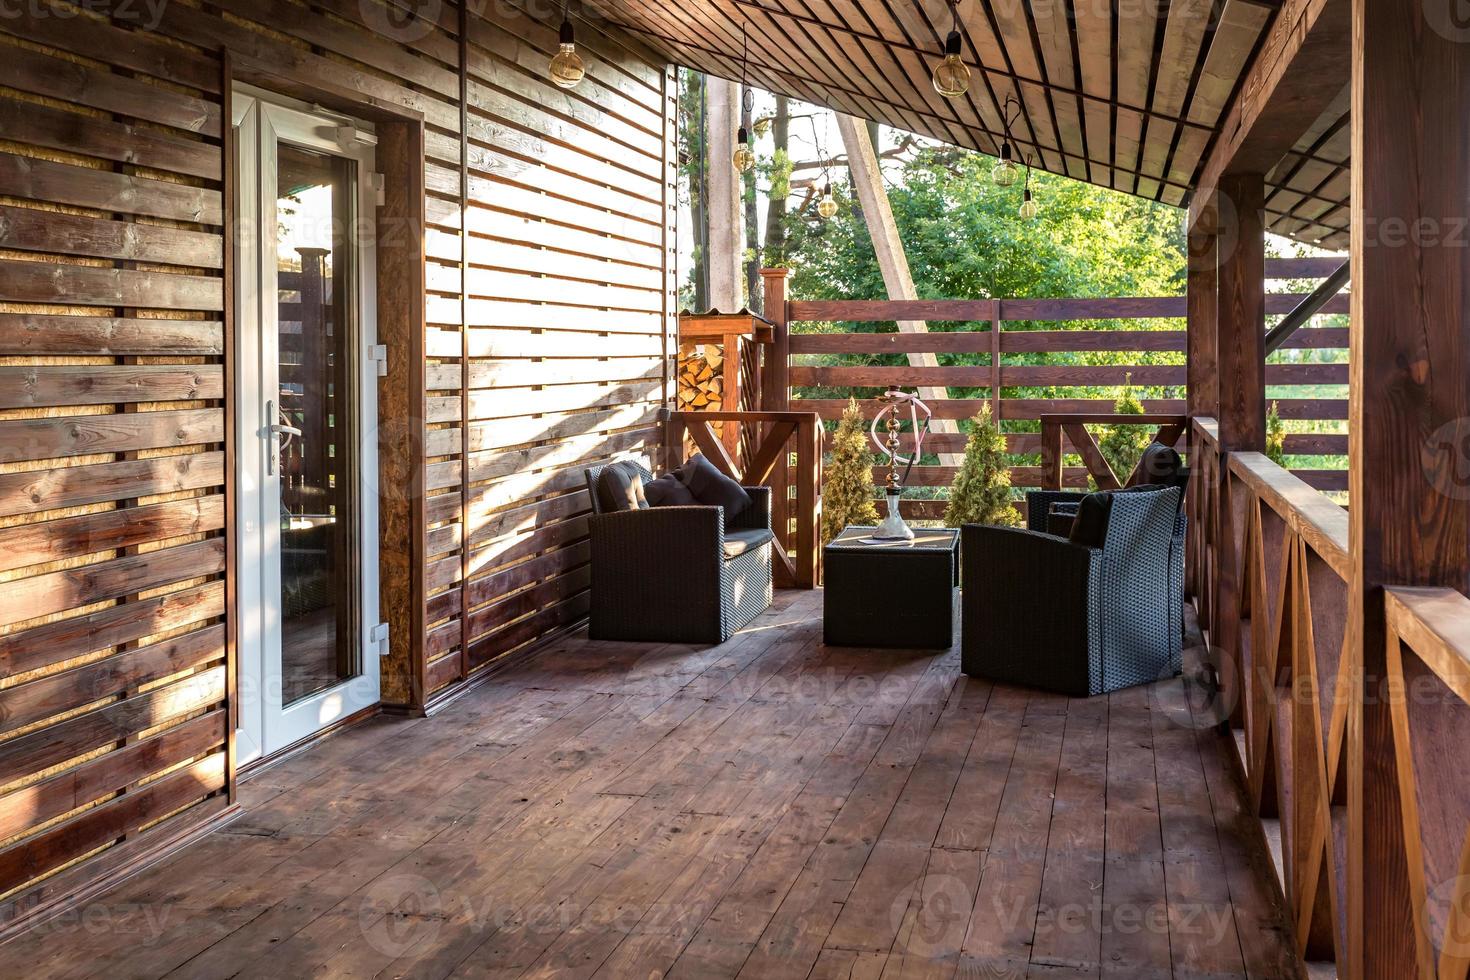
[(1128, 94)]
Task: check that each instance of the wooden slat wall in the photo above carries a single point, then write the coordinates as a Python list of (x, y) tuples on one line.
[(114, 375), (561, 351), (113, 640)]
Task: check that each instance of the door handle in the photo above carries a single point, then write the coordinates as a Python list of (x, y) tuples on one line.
[(273, 432)]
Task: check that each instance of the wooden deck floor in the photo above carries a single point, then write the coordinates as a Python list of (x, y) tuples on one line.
[(768, 808)]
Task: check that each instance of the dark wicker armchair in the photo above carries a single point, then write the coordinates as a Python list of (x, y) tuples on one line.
[(1041, 611), (678, 574), (1052, 511)]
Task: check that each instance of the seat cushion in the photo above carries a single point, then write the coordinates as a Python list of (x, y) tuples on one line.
[(668, 491), (738, 543), (713, 488), (1090, 528), (1159, 464), (620, 487)]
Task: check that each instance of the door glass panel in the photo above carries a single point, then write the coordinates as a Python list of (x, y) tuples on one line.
[(315, 415)]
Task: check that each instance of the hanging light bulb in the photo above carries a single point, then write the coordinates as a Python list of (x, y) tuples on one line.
[(827, 205), (1006, 171), (951, 76), (1028, 207), (567, 67), (744, 156)]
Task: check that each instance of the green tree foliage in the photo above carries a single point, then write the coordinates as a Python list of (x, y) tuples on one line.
[(847, 480), (982, 488), (963, 237), (1123, 445), (1275, 436)]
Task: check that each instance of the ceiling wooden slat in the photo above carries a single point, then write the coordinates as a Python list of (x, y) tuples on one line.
[(1128, 96)]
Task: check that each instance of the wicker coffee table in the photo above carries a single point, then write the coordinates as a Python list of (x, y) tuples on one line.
[(890, 593)]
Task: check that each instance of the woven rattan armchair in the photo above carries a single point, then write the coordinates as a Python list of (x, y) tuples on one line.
[(1041, 611), (678, 574)]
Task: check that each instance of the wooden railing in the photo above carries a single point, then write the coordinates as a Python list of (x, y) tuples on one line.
[(1270, 570), (992, 343), (1060, 430), (786, 455), (1428, 687)]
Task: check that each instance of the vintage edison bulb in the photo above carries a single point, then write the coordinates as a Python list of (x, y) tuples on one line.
[(1005, 171), (743, 157), (951, 76), (1029, 209), (827, 206), (567, 68)]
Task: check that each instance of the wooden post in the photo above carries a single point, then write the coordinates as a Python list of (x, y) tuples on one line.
[(1203, 364), (1409, 414), (808, 502), (1240, 311), (893, 263), (776, 392), (1240, 322)]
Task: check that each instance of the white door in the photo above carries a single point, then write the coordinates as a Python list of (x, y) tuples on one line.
[(307, 409)]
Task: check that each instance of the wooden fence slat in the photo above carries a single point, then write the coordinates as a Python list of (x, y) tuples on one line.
[(58, 693), (39, 333), (85, 534), (46, 386), (54, 642), (49, 438)]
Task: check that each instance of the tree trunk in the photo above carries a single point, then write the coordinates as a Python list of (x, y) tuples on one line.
[(752, 217), (698, 148), (724, 198), (775, 245)]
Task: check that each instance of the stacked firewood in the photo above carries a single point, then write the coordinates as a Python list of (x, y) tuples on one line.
[(701, 377)]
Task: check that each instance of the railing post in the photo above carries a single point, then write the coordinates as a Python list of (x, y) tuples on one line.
[(776, 391), (1240, 323), (1051, 455), (1409, 422)]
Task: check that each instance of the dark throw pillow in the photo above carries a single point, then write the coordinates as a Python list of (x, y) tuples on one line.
[(1158, 464), (1090, 527), (667, 491), (713, 488), (620, 487)]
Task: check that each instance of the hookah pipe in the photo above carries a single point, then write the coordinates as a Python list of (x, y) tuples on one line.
[(894, 399)]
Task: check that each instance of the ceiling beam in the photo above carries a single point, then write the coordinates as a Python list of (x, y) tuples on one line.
[(1298, 73)]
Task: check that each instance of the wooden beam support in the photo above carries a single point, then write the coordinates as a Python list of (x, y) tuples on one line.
[(1294, 78), (1240, 311), (1409, 405), (862, 162), (1202, 354)]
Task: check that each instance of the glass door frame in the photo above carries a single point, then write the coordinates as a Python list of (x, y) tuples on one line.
[(265, 724)]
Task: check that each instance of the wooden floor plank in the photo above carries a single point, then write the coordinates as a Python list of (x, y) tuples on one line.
[(770, 807)]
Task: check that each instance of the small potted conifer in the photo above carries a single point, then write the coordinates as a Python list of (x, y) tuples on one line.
[(847, 480), (981, 493)]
